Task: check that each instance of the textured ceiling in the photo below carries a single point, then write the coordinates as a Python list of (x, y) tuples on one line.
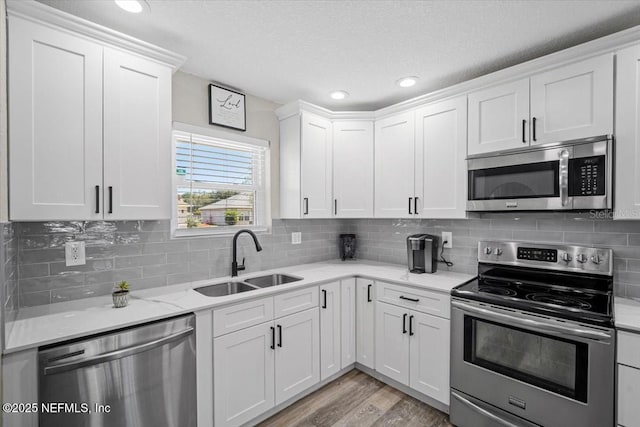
[(287, 50)]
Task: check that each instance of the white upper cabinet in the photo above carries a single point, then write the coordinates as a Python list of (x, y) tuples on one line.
[(137, 137), (441, 135), (394, 166), (353, 168), (90, 128), (55, 124), (572, 102), (316, 167), (498, 118), (627, 142), (565, 103)]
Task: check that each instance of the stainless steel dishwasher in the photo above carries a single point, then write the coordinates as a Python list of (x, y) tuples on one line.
[(139, 377)]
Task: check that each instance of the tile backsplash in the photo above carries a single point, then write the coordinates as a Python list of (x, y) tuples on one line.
[(8, 273), (143, 253)]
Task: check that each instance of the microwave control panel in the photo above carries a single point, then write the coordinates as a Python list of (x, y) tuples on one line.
[(587, 176)]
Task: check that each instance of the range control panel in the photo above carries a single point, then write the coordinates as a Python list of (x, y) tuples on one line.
[(547, 256), (538, 254)]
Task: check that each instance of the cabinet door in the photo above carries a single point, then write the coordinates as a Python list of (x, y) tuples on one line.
[(394, 163), (297, 354), (498, 118), (316, 167), (574, 101), (392, 342), (628, 396), (55, 124), (330, 355), (441, 170), (365, 314), (353, 169), (137, 137), (429, 356), (348, 321), (243, 367), (627, 141)]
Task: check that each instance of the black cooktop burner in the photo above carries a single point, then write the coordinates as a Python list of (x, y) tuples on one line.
[(583, 298)]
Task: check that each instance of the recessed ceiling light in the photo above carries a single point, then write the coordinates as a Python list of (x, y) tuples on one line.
[(338, 94), (133, 6), (407, 81)]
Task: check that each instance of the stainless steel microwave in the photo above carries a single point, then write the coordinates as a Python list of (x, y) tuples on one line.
[(571, 175)]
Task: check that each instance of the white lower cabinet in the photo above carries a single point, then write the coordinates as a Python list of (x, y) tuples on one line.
[(628, 358), (413, 349), (348, 321), (330, 354), (365, 320)]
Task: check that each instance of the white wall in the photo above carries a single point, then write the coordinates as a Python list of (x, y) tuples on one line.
[(190, 99)]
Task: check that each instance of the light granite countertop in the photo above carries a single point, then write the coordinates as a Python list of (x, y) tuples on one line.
[(43, 325), (627, 314)]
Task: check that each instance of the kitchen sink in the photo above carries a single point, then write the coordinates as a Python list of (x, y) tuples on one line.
[(226, 288), (272, 280)]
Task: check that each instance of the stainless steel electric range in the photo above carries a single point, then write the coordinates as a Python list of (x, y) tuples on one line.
[(532, 338)]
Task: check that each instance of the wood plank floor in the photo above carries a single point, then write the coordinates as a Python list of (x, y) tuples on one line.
[(356, 399)]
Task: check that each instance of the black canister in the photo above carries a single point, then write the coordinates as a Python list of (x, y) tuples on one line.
[(347, 246)]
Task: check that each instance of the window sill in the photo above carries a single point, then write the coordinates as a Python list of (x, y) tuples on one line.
[(227, 232)]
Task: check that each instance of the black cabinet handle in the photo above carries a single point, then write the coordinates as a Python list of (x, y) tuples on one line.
[(279, 335), (335, 206), (410, 213), (110, 199), (409, 299), (411, 325), (534, 128), (97, 199), (404, 323), (415, 206), (273, 338), (524, 126), (369, 292), (306, 206), (324, 298)]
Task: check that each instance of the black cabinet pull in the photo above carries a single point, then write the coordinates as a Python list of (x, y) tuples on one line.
[(404, 323), (324, 298), (369, 292), (411, 325), (273, 338), (534, 128), (409, 299), (279, 335), (335, 206), (415, 206), (97, 199), (110, 199), (410, 213), (306, 206), (524, 126)]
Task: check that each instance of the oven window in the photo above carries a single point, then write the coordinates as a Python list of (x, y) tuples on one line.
[(515, 182), (544, 361)]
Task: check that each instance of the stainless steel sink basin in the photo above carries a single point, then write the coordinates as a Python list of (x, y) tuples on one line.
[(272, 280), (226, 288)]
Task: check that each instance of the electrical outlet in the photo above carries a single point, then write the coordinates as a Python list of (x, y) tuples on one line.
[(447, 236), (296, 238), (74, 253)]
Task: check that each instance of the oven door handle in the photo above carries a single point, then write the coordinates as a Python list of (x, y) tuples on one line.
[(540, 326), (482, 411)]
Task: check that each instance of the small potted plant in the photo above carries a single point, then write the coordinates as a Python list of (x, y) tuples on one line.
[(121, 295)]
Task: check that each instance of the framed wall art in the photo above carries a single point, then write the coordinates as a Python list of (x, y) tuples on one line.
[(227, 108)]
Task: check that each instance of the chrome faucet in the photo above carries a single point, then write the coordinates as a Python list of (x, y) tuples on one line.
[(234, 264)]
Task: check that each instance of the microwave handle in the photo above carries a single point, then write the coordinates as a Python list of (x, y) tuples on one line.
[(564, 177)]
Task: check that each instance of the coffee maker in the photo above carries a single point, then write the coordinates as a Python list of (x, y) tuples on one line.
[(347, 246), (422, 250)]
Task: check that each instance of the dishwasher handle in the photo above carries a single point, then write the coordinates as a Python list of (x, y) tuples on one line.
[(118, 354)]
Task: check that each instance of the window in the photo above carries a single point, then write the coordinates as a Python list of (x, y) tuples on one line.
[(220, 182)]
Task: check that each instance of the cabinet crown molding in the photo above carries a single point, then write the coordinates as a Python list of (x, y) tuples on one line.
[(34, 11), (295, 107)]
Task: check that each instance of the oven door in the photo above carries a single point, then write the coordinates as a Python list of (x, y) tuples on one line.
[(547, 371), (532, 180)]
